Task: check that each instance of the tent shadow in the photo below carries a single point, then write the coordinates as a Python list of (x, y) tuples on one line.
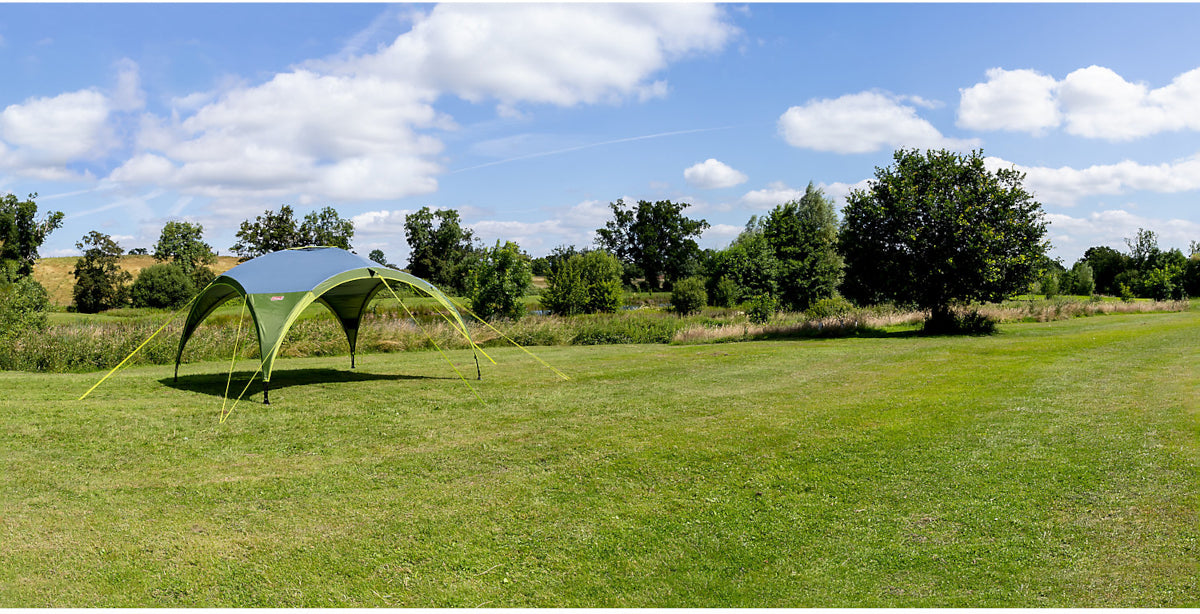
[(214, 383)]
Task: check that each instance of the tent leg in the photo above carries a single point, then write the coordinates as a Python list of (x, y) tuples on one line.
[(351, 360), (478, 373), (266, 392), (176, 373)]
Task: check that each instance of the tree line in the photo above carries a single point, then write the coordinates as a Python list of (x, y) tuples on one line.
[(933, 230)]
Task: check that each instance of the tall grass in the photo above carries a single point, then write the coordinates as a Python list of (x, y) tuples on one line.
[(80, 345)]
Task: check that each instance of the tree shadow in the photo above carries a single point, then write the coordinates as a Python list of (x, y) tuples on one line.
[(215, 383)]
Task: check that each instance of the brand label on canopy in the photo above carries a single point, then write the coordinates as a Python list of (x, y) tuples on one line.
[(277, 298)]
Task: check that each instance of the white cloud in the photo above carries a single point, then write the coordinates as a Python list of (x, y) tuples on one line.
[(713, 173), (776, 193), (722, 232), (128, 94), (1071, 236), (1021, 100), (1092, 102), (54, 131), (1064, 186), (861, 123)]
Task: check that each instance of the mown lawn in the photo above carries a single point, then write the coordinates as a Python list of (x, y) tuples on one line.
[(1052, 464)]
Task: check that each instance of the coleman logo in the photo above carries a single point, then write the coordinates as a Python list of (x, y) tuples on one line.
[(277, 298)]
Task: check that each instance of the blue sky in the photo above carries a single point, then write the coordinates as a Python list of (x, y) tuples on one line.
[(530, 119)]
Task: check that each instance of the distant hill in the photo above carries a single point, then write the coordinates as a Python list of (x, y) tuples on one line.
[(57, 274)]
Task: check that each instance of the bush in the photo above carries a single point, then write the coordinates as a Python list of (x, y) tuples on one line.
[(162, 285), (762, 308), (501, 277), (724, 293), (587, 283), (829, 308), (201, 277), (688, 296), (970, 323), (23, 305)]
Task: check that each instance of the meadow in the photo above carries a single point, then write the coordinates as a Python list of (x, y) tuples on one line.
[(1051, 464)]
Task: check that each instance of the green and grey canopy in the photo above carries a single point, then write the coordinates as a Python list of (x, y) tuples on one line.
[(277, 287)]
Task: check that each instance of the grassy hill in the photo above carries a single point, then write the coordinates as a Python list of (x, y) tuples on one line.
[(1051, 465), (57, 274)]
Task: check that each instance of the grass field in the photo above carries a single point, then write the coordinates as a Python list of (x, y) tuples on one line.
[(1053, 464)]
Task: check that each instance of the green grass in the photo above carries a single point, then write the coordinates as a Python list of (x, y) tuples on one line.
[(1054, 464)]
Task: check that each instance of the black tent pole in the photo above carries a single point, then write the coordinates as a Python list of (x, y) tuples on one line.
[(266, 392)]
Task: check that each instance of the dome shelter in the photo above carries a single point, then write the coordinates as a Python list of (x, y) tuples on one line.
[(277, 287)]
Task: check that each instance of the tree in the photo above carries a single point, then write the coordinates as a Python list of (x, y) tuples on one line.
[(270, 232), (1107, 263), (499, 281), (1082, 279), (938, 229), (546, 264), (655, 239), (688, 296), (749, 264), (162, 285), (803, 234), (376, 255), (273, 231), (180, 243), (585, 283), (441, 254), (325, 228), (21, 234), (99, 283), (23, 307)]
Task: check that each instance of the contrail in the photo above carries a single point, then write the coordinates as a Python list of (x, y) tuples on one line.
[(589, 146)]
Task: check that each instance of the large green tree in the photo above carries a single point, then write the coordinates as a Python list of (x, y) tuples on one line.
[(938, 228), (656, 239), (277, 230), (99, 283), (804, 236), (21, 234), (441, 250), (498, 282), (585, 283), (181, 244)]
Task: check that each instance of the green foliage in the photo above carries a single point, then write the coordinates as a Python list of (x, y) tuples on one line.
[(377, 255), (804, 236), (546, 264), (1164, 283), (938, 229), (180, 243), (1083, 280), (201, 277), (762, 308), (831, 307), (688, 295), (99, 283), (724, 293), (274, 231), (443, 254), (749, 264), (21, 235), (1125, 292), (950, 323), (164, 285), (1106, 263), (23, 306), (656, 238), (500, 278), (585, 283)]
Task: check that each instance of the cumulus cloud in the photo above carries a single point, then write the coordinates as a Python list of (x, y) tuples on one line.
[(861, 123), (1073, 235), (713, 173), (1065, 186), (54, 131), (1021, 100), (776, 193), (1092, 102), (364, 127)]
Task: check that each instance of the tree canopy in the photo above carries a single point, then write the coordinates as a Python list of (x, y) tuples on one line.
[(21, 234), (500, 278), (99, 283), (936, 229), (803, 234), (180, 243), (441, 253), (655, 238), (278, 230)]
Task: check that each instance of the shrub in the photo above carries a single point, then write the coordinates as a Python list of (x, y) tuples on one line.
[(501, 277), (201, 277), (762, 308), (587, 283), (970, 323), (161, 285), (829, 308), (724, 293), (688, 296), (23, 305)]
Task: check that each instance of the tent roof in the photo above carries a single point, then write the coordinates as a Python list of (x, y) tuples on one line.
[(295, 270)]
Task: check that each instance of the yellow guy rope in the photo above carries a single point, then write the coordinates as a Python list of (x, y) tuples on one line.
[(235, 402), (535, 357), (232, 361), (139, 348), (435, 344)]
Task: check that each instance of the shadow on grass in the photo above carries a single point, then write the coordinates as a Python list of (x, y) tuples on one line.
[(214, 383)]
